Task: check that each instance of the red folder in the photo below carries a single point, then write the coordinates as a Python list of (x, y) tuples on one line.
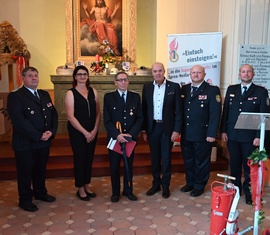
[(115, 146)]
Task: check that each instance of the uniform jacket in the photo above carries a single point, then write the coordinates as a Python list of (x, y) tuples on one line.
[(30, 117), (202, 112), (255, 100), (128, 114), (171, 113)]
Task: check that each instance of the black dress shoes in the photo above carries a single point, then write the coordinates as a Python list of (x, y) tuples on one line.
[(28, 206), (86, 198), (249, 201), (152, 191), (196, 193), (186, 188), (92, 195), (46, 198), (166, 193), (115, 198), (130, 196)]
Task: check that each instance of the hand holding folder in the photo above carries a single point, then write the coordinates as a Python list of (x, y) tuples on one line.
[(115, 145)]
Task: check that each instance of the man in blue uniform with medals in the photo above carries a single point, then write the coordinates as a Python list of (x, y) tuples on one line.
[(202, 109), (243, 97), (122, 106), (35, 121)]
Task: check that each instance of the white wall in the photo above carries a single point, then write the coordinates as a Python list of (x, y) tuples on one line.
[(183, 16), (242, 22)]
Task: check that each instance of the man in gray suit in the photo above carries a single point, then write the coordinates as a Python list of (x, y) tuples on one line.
[(35, 121), (161, 126)]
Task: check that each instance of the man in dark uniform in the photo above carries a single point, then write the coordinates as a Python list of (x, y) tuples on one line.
[(122, 106), (161, 127), (202, 110), (35, 121), (243, 97)]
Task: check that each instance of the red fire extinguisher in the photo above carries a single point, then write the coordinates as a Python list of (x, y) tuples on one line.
[(222, 198)]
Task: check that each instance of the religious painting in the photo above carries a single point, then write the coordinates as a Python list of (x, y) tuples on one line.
[(93, 23)]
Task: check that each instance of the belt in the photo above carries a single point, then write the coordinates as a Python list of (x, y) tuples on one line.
[(158, 121)]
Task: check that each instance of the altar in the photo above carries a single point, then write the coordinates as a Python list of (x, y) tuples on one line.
[(102, 84)]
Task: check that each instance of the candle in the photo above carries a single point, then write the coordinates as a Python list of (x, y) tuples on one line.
[(97, 57)]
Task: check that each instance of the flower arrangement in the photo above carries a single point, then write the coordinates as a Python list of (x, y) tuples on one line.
[(108, 56), (257, 156), (97, 67), (106, 52)]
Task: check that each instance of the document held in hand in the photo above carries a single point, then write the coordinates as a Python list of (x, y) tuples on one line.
[(115, 146)]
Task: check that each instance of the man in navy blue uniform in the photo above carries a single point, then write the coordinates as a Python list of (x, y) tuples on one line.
[(161, 126), (122, 106), (243, 97), (35, 121), (202, 111)]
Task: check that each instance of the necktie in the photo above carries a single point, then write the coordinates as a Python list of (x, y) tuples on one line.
[(123, 98), (245, 91), (194, 88), (36, 94)]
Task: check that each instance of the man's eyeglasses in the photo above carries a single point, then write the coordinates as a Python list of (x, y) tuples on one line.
[(121, 80), (82, 74)]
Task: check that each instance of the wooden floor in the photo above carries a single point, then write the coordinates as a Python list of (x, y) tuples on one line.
[(60, 163)]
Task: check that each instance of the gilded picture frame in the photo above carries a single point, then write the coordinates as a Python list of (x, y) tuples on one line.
[(73, 30)]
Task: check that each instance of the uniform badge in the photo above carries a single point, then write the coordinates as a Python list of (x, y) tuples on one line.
[(218, 99), (202, 97), (49, 105), (231, 95), (131, 112)]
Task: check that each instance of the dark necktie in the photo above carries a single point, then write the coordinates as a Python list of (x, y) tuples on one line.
[(123, 98), (36, 94), (245, 91), (194, 88)]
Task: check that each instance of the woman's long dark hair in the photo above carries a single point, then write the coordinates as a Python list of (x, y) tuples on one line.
[(74, 82)]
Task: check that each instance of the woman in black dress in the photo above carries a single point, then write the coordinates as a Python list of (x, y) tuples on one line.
[(83, 114)]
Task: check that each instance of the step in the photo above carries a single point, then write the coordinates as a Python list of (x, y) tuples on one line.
[(60, 162)]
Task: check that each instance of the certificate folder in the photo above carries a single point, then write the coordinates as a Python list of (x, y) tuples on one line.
[(115, 146)]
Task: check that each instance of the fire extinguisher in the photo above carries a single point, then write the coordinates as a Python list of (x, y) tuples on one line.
[(223, 195)]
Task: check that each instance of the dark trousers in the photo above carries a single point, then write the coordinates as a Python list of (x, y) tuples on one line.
[(83, 154), (197, 157), (115, 163), (160, 147), (239, 153), (31, 173)]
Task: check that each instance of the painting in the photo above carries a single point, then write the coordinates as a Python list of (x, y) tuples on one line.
[(91, 23)]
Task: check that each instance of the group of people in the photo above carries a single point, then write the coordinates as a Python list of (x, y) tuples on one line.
[(163, 113)]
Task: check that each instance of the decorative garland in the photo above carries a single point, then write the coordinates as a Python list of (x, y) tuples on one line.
[(254, 163)]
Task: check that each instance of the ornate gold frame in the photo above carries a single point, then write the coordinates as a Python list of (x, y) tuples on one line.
[(129, 18)]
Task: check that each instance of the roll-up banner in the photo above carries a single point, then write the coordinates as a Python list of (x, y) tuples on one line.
[(187, 50)]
